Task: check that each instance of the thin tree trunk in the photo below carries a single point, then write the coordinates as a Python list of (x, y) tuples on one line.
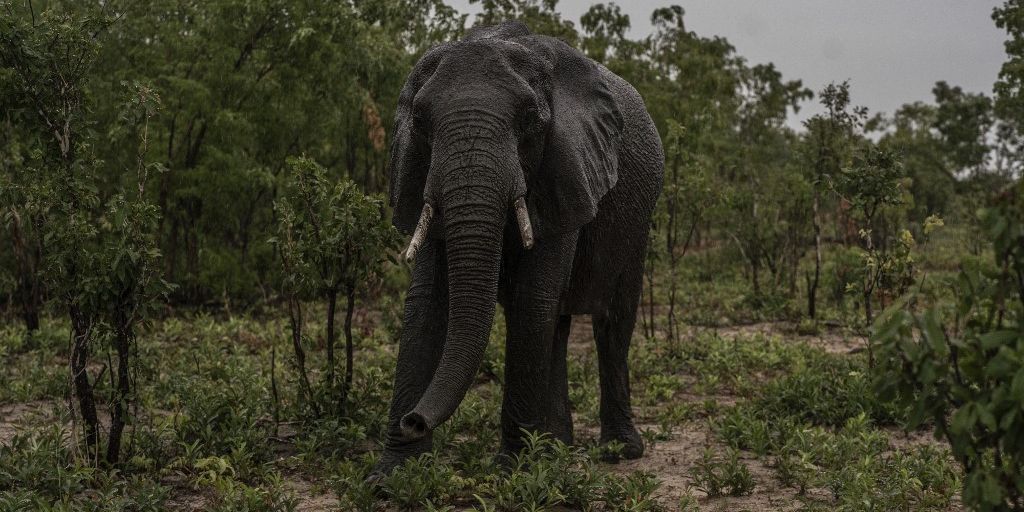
[(872, 275), (869, 288), (332, 301), (28, 290), (80, 328), (673, 288), (812, 285), (650, 289), (273, 387), (755, 279), (295, 317), (119, 405), (868, 310), (30, 305), (350, 306)]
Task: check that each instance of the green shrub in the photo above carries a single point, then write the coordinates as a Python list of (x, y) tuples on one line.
[(720, 476), (828, 393), (961, 365)]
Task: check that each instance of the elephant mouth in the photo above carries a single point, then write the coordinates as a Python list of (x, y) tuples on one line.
[(427, 215)]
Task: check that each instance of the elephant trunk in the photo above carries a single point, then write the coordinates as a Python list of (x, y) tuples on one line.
[(474, 202)]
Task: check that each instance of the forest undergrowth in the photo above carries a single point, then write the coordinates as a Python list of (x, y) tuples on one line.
[(751, 412)]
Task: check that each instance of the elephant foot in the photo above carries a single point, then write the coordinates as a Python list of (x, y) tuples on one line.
[(389, 461), (375, 480), (379, 474), (625, 444)]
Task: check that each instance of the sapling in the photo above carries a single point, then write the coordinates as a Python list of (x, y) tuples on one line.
[(871, 184), (333, 239)]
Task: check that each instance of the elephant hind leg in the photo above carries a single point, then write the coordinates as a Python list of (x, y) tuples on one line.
[(613, 329), (560, 415)]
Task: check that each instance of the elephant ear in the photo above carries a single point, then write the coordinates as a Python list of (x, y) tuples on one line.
[(580, 161), (409, 159)]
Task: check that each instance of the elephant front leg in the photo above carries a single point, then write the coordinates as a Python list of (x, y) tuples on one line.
[(536, 387), (613, 330), (560, 415), (423, 332)]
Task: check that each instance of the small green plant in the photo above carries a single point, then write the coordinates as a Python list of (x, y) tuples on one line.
[(420, 481), (720, 476), (635, 493), (796, 469)]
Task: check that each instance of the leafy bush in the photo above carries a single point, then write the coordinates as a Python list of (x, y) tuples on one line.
[(961, 365), (332, 239), (828, 394)]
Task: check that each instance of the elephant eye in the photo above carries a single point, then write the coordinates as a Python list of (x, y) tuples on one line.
[(420, 123), (529, 119)]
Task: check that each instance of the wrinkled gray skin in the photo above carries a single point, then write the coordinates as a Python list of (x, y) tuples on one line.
[(480, 123)]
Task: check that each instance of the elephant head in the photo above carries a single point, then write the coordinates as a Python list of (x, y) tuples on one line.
[(501, 125)]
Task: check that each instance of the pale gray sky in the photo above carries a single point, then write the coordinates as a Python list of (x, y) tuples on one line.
[(893, 51)]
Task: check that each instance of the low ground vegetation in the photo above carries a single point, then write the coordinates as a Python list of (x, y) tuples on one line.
[(751, 417)]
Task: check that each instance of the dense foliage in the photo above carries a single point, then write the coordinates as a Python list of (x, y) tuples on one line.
[(961, 364)]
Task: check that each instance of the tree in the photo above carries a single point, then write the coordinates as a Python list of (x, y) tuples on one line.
[(19, 218), (765, 147), (911, 132), (690, 87), (541, 16), (99, 256), (332, 240), (872, 183), (829, 142), (963, 122), (604, 31), (688, 195), (1009, 88), (248, 84)]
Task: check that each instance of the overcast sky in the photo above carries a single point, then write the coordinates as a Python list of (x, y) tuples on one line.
[(893, 51)]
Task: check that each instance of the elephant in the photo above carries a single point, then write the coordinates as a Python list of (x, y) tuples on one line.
[(527, 174)]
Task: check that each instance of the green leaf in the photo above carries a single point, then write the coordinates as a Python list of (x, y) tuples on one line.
[(963, 419), (997, 339), (933, 332), (986, 416), (991, 491), (889, 325), (1006, 423), (1001, 365), (917, 414), (1017, 387)]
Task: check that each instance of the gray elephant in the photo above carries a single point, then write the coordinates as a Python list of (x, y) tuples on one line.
[(527, 174)]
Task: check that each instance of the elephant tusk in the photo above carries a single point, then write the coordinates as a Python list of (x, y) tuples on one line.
[(523, 217), (421, 232)]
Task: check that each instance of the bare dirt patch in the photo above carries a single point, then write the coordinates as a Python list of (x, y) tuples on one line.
[(835, 340), (311, 497), (17, 418), (832, 340)]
